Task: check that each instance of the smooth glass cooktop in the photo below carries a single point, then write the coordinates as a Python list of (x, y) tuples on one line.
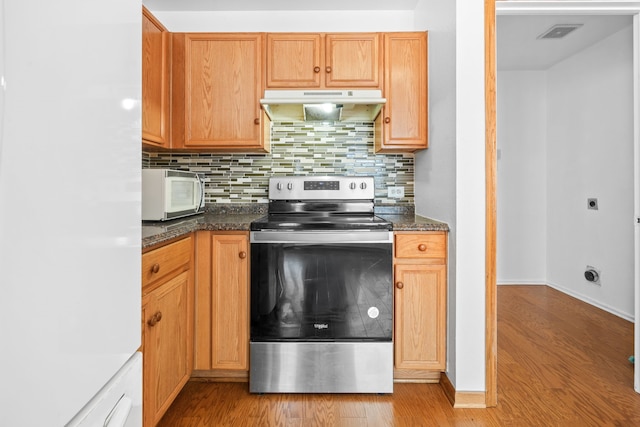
[(320, 222)]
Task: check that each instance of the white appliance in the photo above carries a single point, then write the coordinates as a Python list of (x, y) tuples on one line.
[(169, 194), (323, 105), (69, 245)]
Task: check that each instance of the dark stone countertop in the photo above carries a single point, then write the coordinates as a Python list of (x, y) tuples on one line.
[(234, 219), (414, 223), (158, 232)]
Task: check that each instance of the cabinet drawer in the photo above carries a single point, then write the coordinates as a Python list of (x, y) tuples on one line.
[(158, 263), (421, 245)]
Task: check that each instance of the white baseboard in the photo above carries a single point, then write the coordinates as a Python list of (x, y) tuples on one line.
[(588, 300)]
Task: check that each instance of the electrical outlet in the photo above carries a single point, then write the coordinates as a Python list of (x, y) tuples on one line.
[(592, 275), (395, 192)]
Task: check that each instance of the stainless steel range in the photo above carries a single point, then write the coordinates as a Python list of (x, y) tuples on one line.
[(321, 289)]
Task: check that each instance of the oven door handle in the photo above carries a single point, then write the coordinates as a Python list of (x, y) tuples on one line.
[(347, 236)]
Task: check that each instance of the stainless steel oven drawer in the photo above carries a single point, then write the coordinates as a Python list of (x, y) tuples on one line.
[(321, 367)]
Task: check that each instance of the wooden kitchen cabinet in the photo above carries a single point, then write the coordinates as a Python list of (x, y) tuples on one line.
[(156, 56), (167, 330), (420, 270), (217, 87), (222, 304), (402, 126), (312, 60)]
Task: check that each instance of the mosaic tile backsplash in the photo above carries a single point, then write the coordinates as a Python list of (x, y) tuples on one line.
[(297, 148)]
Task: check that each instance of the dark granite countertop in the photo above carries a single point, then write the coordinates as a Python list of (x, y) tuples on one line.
[(409, 222), (234, 218), (158, 232)]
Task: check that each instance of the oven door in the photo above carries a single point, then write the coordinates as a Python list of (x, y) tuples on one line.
[(321, 286)]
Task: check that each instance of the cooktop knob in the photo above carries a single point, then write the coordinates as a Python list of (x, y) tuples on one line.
[(279, 186), (352, 186), (290, 186), (363, 185)]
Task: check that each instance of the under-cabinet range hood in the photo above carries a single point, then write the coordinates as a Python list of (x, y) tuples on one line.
[(323, 105)]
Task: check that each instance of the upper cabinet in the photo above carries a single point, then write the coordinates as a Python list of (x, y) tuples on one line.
[(155, 82), (403, 125), (310, 60), (202, 91), (217, 86)]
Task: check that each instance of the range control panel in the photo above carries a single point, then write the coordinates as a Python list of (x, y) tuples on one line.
[(321, 188), (322, 185)]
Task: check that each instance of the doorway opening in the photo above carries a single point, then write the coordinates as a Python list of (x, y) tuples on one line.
[(568, 131)]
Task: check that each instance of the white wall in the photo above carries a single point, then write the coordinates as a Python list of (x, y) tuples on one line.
[(450, 175), (470, 198), (435, 172), (585, 117), (590, 146), (291, 21), (522, 177)]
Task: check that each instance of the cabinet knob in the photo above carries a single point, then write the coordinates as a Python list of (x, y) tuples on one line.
[(328, 69), (387, 119), (399, 285), (256, 121), (316, 69), (242, 255), (157, 316), (422, 247), (155, 268)]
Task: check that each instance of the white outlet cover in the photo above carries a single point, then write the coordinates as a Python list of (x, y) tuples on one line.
[(395, 192)]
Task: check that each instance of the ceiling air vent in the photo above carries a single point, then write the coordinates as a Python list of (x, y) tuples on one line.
[(559, 31)]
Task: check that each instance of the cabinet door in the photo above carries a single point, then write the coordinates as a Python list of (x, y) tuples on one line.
[(168, 344), (353, 60), (307, 60), (420, 309), (222, 84), (155, 82), (294, 60), (229, 302), (404, 117)]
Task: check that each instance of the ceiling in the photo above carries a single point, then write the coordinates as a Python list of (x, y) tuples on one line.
[(519, 49), (274, 5)]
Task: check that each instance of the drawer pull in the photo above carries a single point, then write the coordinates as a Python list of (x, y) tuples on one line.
[(316, 69), (399, 285), (422, 247), (328, 69), (387, 119), (242, 255), (256, 121), (157, 316), (155, 268)]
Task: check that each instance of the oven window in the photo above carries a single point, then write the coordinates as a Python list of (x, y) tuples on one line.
[(321, 291)]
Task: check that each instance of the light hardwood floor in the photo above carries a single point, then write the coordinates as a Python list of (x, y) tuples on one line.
[(561, 362)]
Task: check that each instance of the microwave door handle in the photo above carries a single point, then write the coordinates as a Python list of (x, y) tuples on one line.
[(201, 200)]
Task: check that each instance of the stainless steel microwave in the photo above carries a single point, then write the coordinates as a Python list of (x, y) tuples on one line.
[(169, 194)]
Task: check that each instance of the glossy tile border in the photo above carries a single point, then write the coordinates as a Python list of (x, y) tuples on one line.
[(297, 148)]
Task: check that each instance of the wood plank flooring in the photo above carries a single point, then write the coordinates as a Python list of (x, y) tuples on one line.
[(561, 362)]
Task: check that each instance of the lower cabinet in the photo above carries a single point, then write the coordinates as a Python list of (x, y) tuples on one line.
[(195, 313), (222, 305), (167, 330), (420, 275)]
